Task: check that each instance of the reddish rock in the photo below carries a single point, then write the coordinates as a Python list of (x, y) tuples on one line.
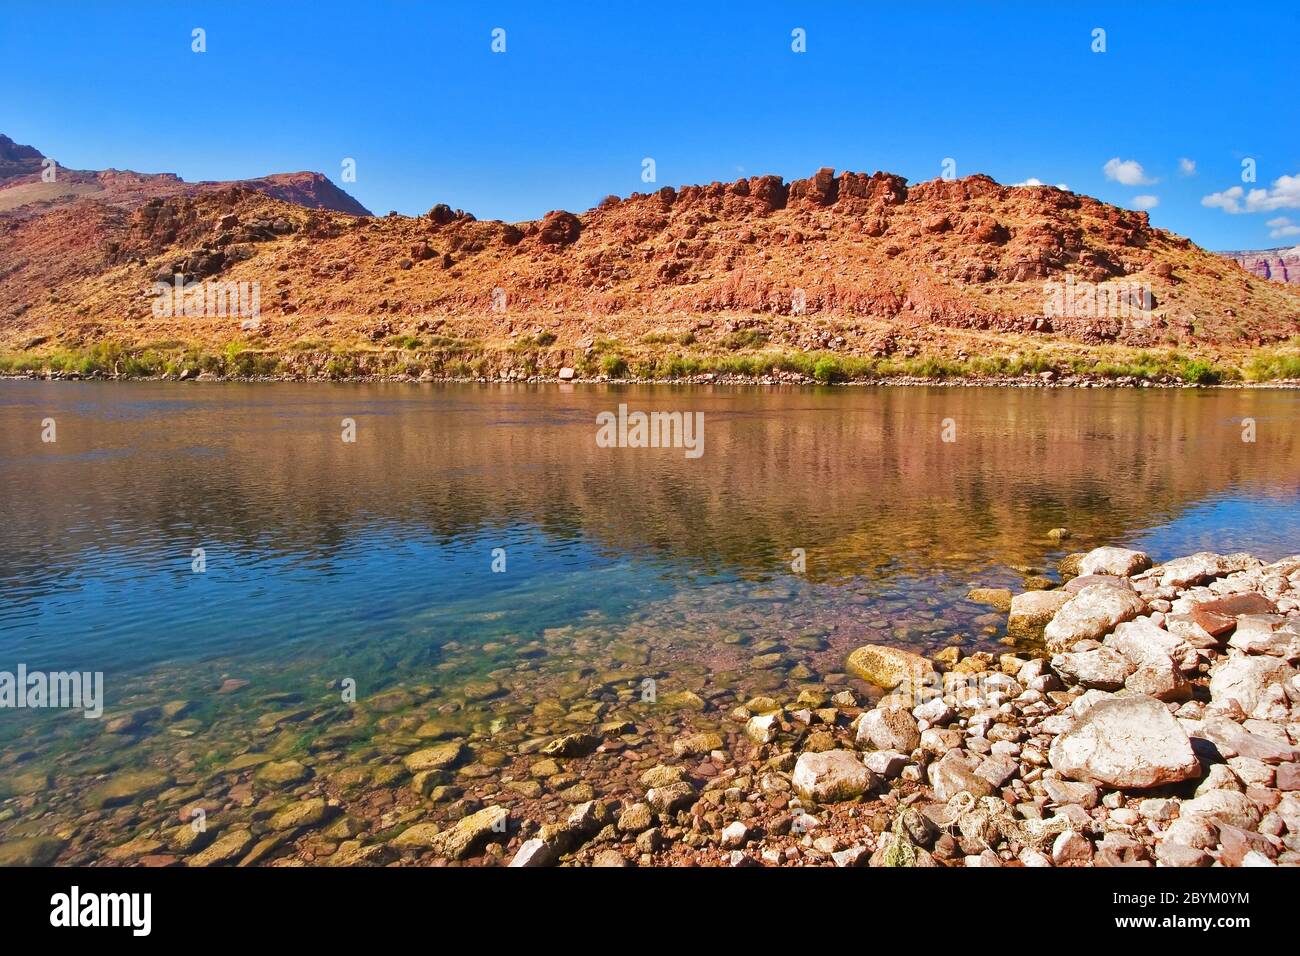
[(559, 228), (1220, 615), (1235, 843)]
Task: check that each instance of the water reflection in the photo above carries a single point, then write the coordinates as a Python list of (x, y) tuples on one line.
[(308, 535)]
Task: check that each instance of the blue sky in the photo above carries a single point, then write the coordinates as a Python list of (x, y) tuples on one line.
[(586, 91)]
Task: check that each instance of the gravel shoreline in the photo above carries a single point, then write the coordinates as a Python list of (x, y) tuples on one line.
[(1069, 381)]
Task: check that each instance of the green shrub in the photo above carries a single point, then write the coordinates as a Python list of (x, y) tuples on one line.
[(407, 342), (827, 369), (1269, 366), (613, 366), (1199, 372), (745, 339)]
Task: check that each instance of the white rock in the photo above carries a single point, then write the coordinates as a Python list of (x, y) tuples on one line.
[(1091, 614), (1086, 701), (1158, 809), (1193, 569), (735, 835), (1219, 777), (1117, 561), (1194, 831), (763, 728), (1245, 679), (1071, 847), (1128, 743), (1141, 641), (935, 712), (1230, 806), (1031, 857), (1034, 609), (939, 741), (534, 852), (831, 776), (1125, 817), (853, 856), (1251, 771), (1102, 668), (887, 763), (889, 729), (1161, 678)]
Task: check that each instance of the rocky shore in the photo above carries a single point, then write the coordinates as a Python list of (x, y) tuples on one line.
[(1047, 379), (1159, 728), (1147, 716)]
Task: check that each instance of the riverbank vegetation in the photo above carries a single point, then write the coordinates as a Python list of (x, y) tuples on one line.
[(450, 358)]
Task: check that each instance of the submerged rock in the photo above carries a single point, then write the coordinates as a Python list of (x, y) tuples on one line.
[(441, 757), (128, 787), (283, 773), (763, 729), (572, 745), (30, 851), (421, 836), (228, 849), (888, 667), (694, 745), (305, 813), (473, 831), (998, 598)]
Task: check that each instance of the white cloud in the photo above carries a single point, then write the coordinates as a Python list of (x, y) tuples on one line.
[(1146, 202), (1187, 166), (1126, 171), (1228, 200), (1282, 228), (1283, 194), (1031, 181)]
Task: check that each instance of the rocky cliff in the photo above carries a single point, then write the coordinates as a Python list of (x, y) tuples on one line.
[(1278, 265), (859, 264)]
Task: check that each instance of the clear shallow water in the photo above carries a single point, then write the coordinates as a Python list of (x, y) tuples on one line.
[(373, 560), (313, 541)]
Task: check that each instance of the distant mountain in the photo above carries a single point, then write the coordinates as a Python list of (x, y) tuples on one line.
[(23, 189), (17, 161), (1278, 265)]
